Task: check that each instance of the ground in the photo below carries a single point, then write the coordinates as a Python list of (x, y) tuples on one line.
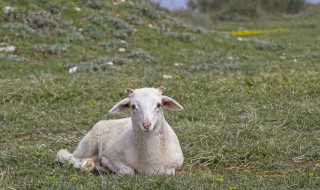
[(251, 103)]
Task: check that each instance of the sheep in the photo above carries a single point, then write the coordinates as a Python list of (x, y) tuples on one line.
[(143, 143)]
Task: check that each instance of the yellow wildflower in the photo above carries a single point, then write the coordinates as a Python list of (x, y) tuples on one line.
[(219, 180), (243, 33)]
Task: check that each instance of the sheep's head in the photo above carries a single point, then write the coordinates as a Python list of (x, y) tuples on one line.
[(146, 107)]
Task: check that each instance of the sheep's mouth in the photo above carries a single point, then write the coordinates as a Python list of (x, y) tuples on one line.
[(147, 130)]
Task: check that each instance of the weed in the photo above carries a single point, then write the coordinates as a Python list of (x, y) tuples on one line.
[(19, 29), (98, 20), (142, 56), (75, 37), (269, 46), (42, 19), (133, 19), (92, 31), (94, 4), (114, 45), (184, 37), (54, 49), (151, 13), (173, 22), (122, 30)]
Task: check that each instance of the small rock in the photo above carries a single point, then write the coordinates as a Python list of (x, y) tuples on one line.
[(8, 49), (8, 10), (121, 49), (240, 39), (167, 76), (73, 69), (77, 9)]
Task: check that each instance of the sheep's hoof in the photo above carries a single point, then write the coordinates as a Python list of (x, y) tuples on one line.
[(88, 165)]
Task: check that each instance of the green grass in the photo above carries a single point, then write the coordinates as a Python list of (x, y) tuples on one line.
[(251, 118)]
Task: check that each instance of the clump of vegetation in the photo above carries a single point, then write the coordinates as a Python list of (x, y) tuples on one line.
[(151, 13), (42, 19), (175, 23), (94, 4), (216, 61), (263, 45), (136, 20), (100, 64), (93, 31), (142, 56), (75, 37), (12, 58), (114, 45), (121, 29), (54, 49), (19, 29), (184, 37)]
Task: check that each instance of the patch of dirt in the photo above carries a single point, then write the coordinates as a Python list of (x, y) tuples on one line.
[(26, 136)]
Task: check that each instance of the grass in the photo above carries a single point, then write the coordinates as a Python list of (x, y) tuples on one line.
[(251, 118)]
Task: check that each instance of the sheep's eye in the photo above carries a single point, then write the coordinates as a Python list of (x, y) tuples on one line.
[(158, 105), (133, 107)]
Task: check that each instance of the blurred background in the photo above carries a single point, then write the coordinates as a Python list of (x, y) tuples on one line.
[(183, 4), (237, 9)]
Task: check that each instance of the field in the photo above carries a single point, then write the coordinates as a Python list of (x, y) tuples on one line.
[(251, 116)]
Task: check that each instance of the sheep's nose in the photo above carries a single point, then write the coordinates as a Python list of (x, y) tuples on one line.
[(147, 124)]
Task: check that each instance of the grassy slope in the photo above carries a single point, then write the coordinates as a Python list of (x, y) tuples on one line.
[(251, 117)]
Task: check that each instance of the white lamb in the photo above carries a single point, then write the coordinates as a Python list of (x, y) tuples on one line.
[(144, 143)]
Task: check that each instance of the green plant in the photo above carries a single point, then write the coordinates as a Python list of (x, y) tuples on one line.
[(55, 49)]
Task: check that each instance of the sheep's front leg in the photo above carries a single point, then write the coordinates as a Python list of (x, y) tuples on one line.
[(170, 171), (64, 156), (117, 166), (84, 164)]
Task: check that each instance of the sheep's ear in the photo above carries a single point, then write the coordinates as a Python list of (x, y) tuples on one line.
[(171, 104), (160, 89), (130, 90), (122, 106)]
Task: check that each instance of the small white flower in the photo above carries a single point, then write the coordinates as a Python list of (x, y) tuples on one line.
[(109, 63), (178, 64), (230, 58), (73, 69), (121, 49), (295, 60), (240, 39), (150, 26), (167, 76)]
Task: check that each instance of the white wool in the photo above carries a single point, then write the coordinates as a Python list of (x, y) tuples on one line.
[(143, 143)]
